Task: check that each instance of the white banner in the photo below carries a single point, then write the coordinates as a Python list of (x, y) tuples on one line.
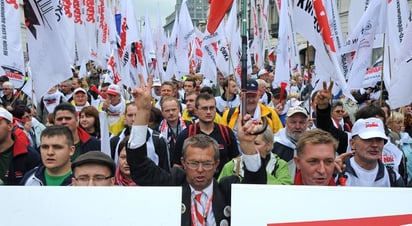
[(270, 205)]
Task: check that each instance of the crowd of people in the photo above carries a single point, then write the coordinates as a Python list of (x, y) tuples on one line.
[(190, 133)]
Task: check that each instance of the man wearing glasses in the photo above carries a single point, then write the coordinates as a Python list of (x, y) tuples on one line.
[(204, 200), (205, 109), (93, 169)]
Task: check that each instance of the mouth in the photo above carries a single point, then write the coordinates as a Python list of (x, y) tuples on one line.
[(199, 179)]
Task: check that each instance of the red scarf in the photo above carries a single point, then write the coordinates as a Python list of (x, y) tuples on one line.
[(121, 180), (299, 181)]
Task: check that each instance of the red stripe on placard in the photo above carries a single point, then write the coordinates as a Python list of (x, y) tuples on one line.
[(394, 220)]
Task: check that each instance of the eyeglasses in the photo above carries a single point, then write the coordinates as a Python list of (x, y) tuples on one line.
[(195, 165), (208, 108), (339, 111), (97, 179)]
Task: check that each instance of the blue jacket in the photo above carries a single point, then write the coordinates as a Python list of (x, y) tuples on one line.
[(35, 177)]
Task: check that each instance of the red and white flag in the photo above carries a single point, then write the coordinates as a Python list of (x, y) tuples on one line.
[(185, 37), (282, 69), (172, 44), (11, 56), (218, 9), (47, 34)]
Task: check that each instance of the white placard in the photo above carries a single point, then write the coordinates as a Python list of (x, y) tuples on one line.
[(87, 206), (270, 205)]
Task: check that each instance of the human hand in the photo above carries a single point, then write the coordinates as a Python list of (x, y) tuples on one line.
[(340, 161), (246, 134), (324, 96)]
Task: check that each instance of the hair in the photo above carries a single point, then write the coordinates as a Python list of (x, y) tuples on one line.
[(19, 111), (155, 115), (105, 84), (336, 103), (8, 85), (123, 144), (369, 112), (276, 93), (65, 106), (168, 98), (207, 90), (396, 117), (200, 141), (315, 136), (192, 92), (267, 136), (192, 80), (93, 112), (50, 118), (203, 96), (169, 83), (58, 130)]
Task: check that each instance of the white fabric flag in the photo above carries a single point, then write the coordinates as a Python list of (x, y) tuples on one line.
[(371, 23), (11, 56), (209, 49), (172, 62), (282, 71), (223, 55), (149, 48), (356, 10), (104, 131), (185, 36), (161, 48), (49, 55), (233, 37)]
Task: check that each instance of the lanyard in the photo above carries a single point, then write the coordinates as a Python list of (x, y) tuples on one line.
[(206, 212)]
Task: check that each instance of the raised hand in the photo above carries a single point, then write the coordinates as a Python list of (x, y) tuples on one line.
[(324, 96), (246, 135), (142, 99)]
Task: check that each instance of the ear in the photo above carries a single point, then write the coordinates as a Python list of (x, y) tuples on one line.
[(297, 162), (72, 150), (352, 144), (112, 180), (182, 161)]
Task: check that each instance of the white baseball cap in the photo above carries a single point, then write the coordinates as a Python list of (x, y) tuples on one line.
[(369, 128), (4, 114), (114, 90), (295, 110)]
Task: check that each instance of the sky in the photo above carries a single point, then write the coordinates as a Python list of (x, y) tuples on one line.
[(153, 7)]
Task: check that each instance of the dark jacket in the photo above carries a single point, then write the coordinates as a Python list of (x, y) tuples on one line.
[(24, 159), (144, 172), (88, 142)]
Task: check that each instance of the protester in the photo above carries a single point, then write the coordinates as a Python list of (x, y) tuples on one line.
[(286, 138), (47, 103), (200, 160), (56, 149), (276, 169), (80, 99), (65, 114), (24, 120), (254, 108), (114, 106), (93, 169), (89, 121), (205, 109), (229, 98), (315, 158), (16, 156), (122, 176)]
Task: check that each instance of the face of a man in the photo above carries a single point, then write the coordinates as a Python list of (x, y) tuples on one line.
[(221, 79), (75, 83), (367, 151), (316, 164), (232, 86), (7, 90), (167, 90), (206, 111), (55, 154), (114, 99), (65, 87), (170, 111), (92, 175), (200, 166), (80, 98), (5, 130), (131, 111), (296, 125), (190, 102), (252, 102), (188, 86), (157, 90), (66, 118)]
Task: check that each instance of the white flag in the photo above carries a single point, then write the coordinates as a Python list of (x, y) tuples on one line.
[(185, 36), (49, 55), (11, 56)]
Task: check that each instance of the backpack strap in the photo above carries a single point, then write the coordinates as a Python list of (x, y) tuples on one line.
[(224, 132), (192, 130), (230, 114), (392, 175)]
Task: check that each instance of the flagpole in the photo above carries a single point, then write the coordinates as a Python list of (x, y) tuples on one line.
[(382, 73), (243, 61)]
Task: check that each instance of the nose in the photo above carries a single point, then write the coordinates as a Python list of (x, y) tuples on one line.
[(91, 182), (321, 167)]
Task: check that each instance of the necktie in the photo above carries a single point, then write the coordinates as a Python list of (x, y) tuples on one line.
[(199, 208)]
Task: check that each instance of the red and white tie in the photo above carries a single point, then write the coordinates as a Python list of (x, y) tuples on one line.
[(199, 209)]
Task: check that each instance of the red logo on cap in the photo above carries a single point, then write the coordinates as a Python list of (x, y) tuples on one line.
[(371, 124)]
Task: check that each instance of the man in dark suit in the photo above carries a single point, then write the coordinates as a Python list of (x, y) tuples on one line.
[(204, 200)]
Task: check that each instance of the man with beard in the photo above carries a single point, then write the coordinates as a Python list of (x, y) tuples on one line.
[(205, 109), (286, 138)]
